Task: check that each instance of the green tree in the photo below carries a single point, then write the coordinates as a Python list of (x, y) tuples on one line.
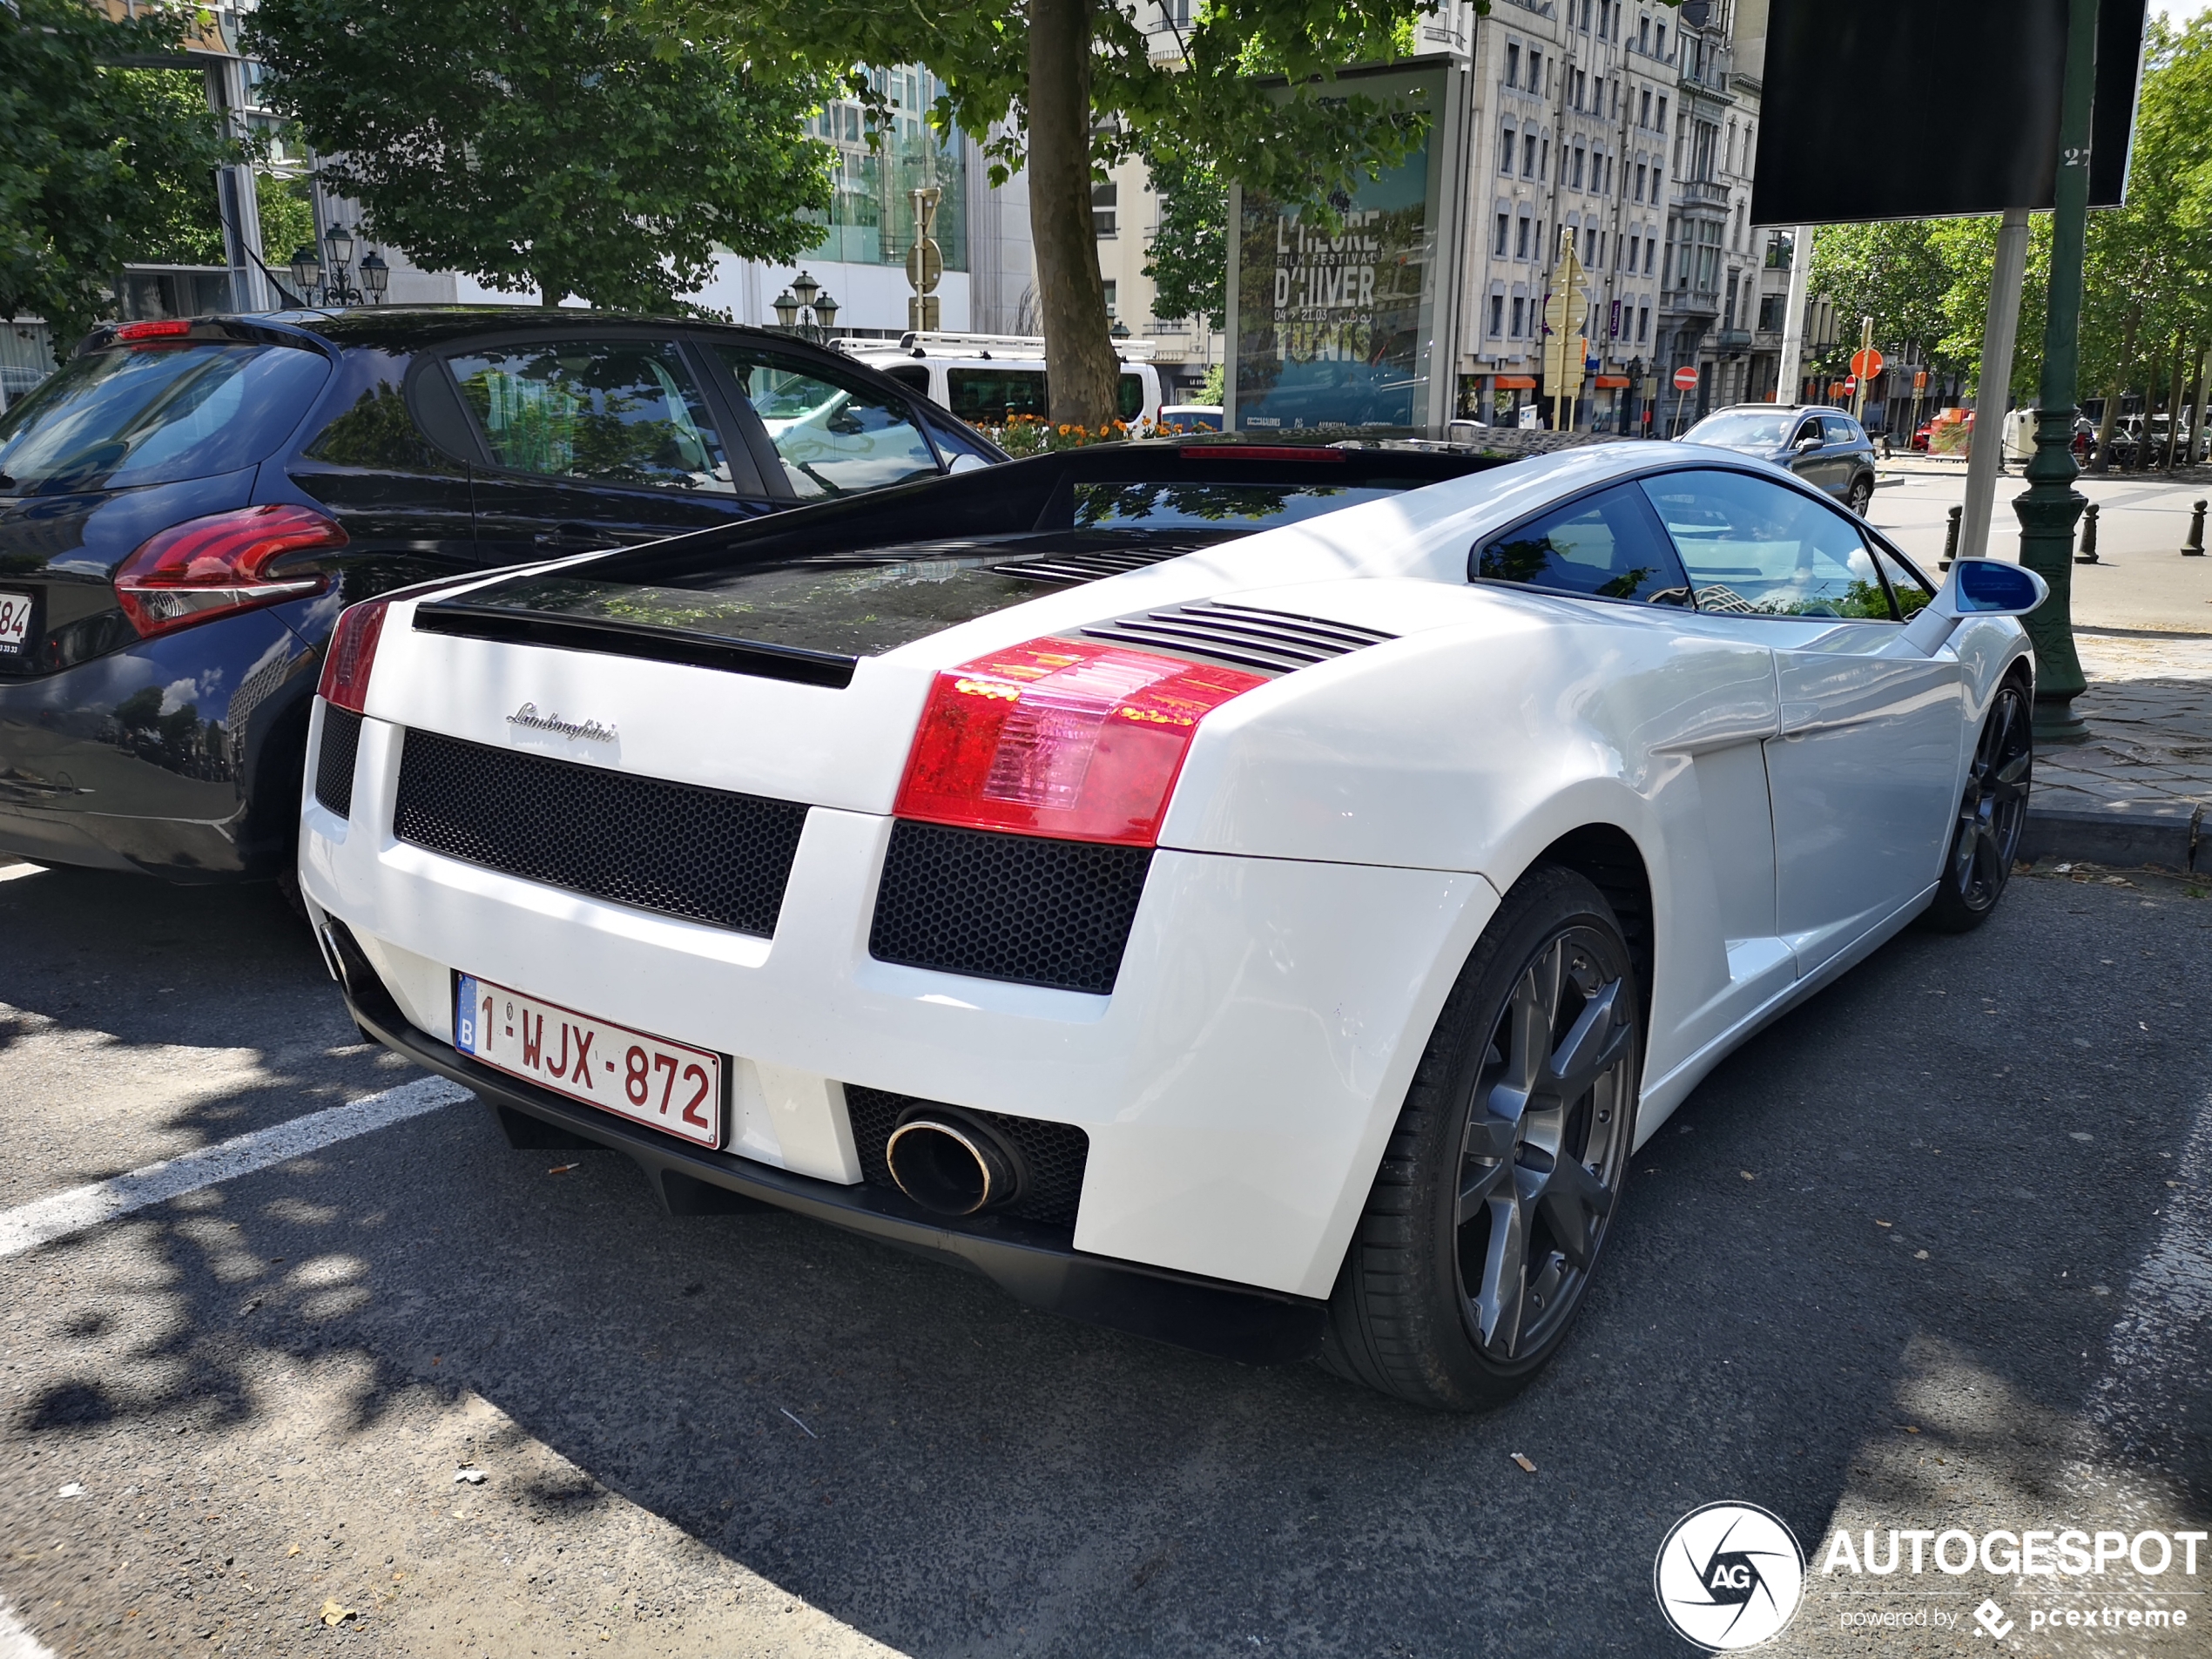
[(1068, 87), (98, 164), (567, 145), (1188, 256)]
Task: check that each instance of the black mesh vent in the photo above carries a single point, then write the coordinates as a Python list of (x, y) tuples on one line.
[(341, 741), (1008, 907), (702, 854), (1055, 1153)]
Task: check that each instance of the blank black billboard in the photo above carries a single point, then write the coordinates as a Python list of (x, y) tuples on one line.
[(1918, 109)]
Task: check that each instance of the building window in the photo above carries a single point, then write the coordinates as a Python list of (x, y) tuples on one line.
[(1544, 160), (1577, 183), (1519, 315), (1521, 251), (1103, 200), (1643, 34), (1640, 171), (1497, 314), (1659, 46), (1504, 152), (1643, 324), (1647, 243), (1771, 312), (1643, 109), (1499, 246), (1513, 65), (1661, 124), (1109, 299), (1535, 71)]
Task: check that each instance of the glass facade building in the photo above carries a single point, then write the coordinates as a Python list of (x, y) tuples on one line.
[(871, 219)]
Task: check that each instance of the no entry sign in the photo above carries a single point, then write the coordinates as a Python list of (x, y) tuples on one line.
[(1685, 380)]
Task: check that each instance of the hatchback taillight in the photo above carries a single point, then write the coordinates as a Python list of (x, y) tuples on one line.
[(352, 654), (1061, 737), (210, 567)]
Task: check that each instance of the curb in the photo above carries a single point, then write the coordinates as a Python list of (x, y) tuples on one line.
[(2122, 833)]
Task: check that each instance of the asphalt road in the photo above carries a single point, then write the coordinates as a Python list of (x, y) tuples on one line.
[(1930, 1251)]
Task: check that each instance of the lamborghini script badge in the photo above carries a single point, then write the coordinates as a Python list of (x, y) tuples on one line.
[(529, 719)]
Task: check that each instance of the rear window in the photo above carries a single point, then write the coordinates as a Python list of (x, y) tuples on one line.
[(1238, 506), (154, 413), (991, 396)]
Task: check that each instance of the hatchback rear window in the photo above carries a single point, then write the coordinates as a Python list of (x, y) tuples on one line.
[(154, 413)]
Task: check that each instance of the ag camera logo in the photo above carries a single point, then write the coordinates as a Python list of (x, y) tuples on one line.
[(1729, 1576)]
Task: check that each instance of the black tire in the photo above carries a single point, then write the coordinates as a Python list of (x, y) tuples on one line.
[(1860, 496), (1427, 1305), (1993, 811)]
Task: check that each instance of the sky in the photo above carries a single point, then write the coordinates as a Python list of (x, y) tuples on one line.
[(2177, 11)]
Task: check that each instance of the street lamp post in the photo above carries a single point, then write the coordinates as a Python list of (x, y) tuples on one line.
[(2050, 507), (806, 297), (310, 269)]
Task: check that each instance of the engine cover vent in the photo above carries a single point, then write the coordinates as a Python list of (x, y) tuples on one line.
[(1273, 641)]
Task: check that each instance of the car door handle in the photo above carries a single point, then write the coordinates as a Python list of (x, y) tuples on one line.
[(568, 538)]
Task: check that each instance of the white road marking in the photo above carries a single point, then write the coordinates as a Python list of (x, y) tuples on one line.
[(10, 875), (17, 1642), (28, 1226)]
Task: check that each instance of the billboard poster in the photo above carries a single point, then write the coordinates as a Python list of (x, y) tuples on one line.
[(1337, 325)]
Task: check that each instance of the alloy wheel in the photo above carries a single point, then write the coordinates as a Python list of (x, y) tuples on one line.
[(1993, 809), (1547, 1142), (1861, 497)]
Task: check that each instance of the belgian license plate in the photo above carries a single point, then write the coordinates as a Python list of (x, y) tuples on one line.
[(671, 1086), (15, 621)]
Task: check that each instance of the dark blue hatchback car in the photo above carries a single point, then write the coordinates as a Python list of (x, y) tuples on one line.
[(185, 506)]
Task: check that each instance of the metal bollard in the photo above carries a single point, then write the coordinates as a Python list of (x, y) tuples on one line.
[(2088, 553), (2194, 547), (1951, 540)]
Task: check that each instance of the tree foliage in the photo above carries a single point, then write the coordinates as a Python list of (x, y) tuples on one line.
[(99, 164), (1069, 87), (560, 145), (1188, 256)]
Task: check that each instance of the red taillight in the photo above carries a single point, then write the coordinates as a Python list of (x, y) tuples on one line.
[(1061, 737), (210, 567), (352, 654), (167, 328)]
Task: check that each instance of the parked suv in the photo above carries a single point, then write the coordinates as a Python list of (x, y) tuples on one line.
[(185, 506), (1822, 446)]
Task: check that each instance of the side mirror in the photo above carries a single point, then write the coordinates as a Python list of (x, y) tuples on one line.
[(1992, 588), (1975, 588), (1809, 442)]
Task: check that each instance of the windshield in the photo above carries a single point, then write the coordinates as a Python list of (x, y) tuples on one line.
[(152, 414), (1154, 506), (1748, 431)]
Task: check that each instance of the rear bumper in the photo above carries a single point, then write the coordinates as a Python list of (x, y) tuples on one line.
[(1228, 1321), (179, 757)]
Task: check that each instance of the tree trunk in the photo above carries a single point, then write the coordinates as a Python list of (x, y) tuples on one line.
[(1079, 364), (2196, 409), (546, 294), (2102, 461), (2173, 402)]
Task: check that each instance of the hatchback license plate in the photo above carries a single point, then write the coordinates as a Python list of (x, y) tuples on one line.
[(15, 621), (671, 1086)]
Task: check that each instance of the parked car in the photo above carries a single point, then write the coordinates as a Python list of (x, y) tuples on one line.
[(1824, 447), (1220, 891), (990, 379), (186, 506)]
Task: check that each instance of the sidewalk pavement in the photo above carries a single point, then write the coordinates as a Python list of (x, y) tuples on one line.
[(2139, 790)]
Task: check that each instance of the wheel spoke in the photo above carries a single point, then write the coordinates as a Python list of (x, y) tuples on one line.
[(1989, 857), (1574, 1205), (1505, 1277), (1479, 1185), (2012, 777), (1590, 1049)]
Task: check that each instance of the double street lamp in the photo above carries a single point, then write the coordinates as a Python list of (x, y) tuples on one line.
[(311, 271), (808, 297)]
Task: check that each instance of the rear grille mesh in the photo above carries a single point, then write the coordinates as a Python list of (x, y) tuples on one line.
[(1016, 908), (702, 854), (1056, 1153), (342, 742), (1272, 641)]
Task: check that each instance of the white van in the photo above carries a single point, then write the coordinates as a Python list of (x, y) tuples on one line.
[(985, 378)]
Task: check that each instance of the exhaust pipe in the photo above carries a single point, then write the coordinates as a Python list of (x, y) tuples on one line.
[(952, 1163)]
